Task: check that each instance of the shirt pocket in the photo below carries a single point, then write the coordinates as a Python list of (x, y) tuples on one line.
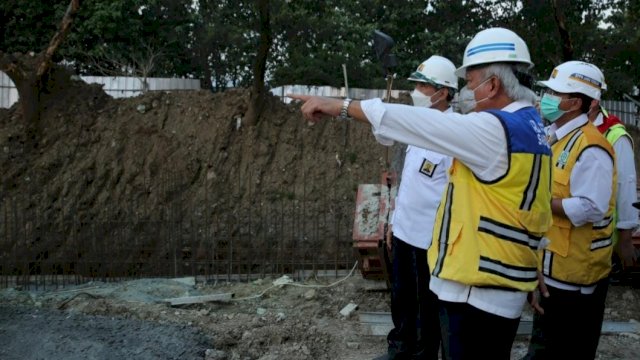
[(430, 162)]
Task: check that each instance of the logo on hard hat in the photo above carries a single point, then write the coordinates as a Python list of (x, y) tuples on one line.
[(554, 73), (420, 67), (586, 80)]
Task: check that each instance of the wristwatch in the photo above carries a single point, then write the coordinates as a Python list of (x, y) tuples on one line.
[(344, 112)]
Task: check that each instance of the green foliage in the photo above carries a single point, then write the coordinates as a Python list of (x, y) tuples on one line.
[(216, 40), (28, 25)]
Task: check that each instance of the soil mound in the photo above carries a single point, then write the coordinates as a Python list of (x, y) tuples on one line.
[(180, 157)]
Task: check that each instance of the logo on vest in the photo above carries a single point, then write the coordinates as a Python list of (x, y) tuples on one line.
[(562, 159)]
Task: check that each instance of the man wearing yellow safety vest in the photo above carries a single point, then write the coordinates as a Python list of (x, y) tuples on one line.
[(626, 216), (496, 206), (577, 261)]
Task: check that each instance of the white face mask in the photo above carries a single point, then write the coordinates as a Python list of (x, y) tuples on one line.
[(467, 98), (420, 99)]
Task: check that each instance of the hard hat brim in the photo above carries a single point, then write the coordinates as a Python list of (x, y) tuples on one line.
[(562, 88), (556, 86), (418, 77)]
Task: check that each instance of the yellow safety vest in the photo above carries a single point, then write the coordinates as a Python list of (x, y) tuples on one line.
[(612, 134), (578, 256), (487, 233)]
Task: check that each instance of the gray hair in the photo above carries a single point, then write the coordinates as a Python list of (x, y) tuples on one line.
[(514, 90)]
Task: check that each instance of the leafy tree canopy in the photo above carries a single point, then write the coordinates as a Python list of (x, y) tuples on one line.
[(217, 40)]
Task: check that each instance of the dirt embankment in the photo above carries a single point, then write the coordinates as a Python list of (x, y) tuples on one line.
[(180, 158)]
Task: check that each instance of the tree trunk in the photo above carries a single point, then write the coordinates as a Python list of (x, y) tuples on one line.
[(567, 44), (30, 74), (258, 91)]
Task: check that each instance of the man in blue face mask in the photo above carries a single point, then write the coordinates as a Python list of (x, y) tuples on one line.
[(576, 263)]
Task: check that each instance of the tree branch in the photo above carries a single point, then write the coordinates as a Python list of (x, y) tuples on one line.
[(56, 40)]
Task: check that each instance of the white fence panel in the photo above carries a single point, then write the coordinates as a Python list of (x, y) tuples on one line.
[(120, 86), (115, 86), (354, 93), (8, 91), (627, 111)]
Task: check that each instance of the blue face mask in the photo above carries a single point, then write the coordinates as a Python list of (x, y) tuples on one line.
[(549, 107)]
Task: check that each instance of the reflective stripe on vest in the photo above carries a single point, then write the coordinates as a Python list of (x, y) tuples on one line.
[(487, 232), (578, 256)]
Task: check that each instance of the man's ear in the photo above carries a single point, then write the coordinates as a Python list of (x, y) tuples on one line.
[(444, 94), (594, 108), (495, 84)]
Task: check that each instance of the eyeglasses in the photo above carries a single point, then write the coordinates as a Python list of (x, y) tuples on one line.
[(551, 92)]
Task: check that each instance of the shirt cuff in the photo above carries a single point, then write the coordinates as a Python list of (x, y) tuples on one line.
[(626, 225), (374, 110), (574, 211)]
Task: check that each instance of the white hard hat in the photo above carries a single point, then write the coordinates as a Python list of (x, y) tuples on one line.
[(493, 46), (603, 84), (575, 77), (436, 70)]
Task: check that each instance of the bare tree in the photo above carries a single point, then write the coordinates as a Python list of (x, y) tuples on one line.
[(139, 64), (31, 73)]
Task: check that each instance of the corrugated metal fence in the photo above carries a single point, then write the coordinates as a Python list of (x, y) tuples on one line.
[(116, 86), (120, 86), (625, 110), (8, 91)]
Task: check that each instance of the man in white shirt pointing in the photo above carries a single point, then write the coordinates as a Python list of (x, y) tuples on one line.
[(496, 207)]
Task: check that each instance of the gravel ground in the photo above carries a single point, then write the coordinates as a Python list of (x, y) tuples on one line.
[(264, 321), (38, 333)]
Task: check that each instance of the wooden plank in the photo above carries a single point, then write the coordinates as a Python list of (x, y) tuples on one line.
[(199, 299)]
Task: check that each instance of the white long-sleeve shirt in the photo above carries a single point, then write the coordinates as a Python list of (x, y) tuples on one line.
[(479, 141), (591, 179), (424, 177), (590, 189), (627, 181)]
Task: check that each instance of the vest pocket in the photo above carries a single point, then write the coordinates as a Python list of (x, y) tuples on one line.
[(447, 237), (536, 222), (560, 235), (455, 232)]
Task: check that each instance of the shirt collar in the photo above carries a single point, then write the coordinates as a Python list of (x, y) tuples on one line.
[(569, 126), (599, 119), (515, 106)]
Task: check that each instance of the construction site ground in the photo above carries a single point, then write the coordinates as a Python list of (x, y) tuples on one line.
[(178, 159), (297, 320)]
